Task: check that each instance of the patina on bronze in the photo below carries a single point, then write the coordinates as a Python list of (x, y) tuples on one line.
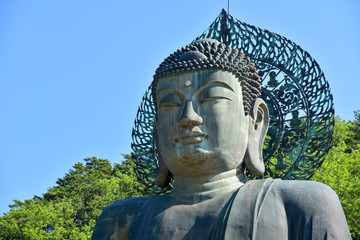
[(207, 133)]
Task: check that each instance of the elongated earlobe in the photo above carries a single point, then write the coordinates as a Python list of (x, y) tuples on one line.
[(163, 175), (258, 126)]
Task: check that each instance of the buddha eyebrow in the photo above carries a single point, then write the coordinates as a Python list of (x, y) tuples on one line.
[(165, 91), (218, 83)]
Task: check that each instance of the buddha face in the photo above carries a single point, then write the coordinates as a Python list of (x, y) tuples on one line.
[(201, 126)]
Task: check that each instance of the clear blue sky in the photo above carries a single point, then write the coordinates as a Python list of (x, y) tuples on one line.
[(72, 73)]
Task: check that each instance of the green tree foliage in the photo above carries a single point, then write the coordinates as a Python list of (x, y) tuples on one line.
[(70, 209), (341, 170), (355, 130)]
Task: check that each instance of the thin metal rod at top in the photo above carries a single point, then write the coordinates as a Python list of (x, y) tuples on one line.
[(228, 18), (228, 7)]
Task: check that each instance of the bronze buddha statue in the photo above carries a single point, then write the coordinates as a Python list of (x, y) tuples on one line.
[(209, 128)]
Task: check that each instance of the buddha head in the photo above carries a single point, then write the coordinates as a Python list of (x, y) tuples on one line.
[(209, 117)]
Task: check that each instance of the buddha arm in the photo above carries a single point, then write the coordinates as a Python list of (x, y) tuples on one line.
[(114, 222)]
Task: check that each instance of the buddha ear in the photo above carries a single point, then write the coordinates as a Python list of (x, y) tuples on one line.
[(258, 126), (164, 175)]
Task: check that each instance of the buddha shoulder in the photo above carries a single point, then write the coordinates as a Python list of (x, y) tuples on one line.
[(115, 220), (298, 196), (306, 194), (296, 207), (315, 204)]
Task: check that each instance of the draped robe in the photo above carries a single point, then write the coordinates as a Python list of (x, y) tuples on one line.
[(260, 209)]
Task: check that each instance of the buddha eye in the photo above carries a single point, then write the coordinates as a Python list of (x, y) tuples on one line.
[(169, 101), (215, 94), (212, 99), (169, 105)]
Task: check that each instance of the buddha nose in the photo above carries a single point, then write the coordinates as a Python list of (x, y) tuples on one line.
[(189, 116)]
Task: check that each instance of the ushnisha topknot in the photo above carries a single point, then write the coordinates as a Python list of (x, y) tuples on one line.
[(207, 54)]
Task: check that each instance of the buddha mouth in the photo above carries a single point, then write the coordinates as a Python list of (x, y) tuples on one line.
[(190, 137)]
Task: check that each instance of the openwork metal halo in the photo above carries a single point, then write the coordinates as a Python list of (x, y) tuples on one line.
[(296, 93)]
